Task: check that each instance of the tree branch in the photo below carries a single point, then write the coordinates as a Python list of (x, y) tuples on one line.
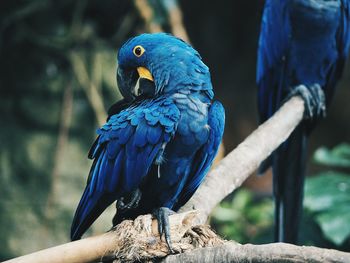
[(130, 241), (139, 241), (272, 253), (236, 167)]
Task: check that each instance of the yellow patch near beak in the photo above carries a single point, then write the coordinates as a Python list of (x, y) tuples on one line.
[(145, 73)]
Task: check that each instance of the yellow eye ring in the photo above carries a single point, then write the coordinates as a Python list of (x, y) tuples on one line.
[(138, 51)]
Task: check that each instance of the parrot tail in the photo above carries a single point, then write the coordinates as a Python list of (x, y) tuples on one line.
[(88, 210), (288, 185)]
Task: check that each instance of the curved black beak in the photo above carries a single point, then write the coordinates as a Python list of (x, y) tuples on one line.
[(135, 83), (126, 80)]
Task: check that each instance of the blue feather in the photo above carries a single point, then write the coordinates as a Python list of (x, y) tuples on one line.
[(113, 148), (128, 151), (112, 184), (207, 153), (153, 135)]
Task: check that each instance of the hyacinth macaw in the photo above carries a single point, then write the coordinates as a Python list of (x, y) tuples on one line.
[(159, 141), (302, 50)]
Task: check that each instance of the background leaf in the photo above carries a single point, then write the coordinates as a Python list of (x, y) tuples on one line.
[(327, 195), (338, 156)]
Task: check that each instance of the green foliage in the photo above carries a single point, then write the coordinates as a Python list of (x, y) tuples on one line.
[(245, 218), (339, 156), (327, 195)]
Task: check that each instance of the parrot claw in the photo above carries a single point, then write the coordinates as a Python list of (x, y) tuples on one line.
[(132, 203), (314, 98), (162, 216)]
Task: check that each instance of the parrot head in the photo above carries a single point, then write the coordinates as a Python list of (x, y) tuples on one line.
[(158, 62)]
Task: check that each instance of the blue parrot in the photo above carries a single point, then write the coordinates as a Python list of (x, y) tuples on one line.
[(302, 50), (159, 141)]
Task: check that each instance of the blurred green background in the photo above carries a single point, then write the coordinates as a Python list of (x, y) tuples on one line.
[(57, 78)]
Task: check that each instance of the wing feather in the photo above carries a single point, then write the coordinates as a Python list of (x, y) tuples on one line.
[(124, 152), (205, 156), (273, 46), (343, 45)]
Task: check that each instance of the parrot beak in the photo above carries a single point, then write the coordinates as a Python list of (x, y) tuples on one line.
[(134, 83), (127, 80), (145, 86), (144, 73)]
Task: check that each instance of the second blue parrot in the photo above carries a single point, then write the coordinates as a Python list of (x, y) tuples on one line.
[(302, 51)]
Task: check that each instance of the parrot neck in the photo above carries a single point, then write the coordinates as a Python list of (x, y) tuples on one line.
[(184, 77), (189, 88)]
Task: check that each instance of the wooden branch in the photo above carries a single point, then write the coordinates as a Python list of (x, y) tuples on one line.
[(271, 253), (236, 167), (139, 241), (130, 241)]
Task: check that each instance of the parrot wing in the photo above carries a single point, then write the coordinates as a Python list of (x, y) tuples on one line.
[(124, 152), (205, 156), (343, 45), (273, 46)]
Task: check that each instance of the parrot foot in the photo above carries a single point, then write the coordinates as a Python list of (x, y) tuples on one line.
[(314, 98), (131, 202), (162, 216)]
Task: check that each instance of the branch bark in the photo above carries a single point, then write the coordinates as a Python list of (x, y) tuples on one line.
[(236, 167), (138, 241), (272, 253), (130, 241)]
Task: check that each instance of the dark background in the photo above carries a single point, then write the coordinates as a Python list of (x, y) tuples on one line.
[(57, 78)]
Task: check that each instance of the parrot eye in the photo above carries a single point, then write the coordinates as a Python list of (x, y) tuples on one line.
[(138, 51)]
